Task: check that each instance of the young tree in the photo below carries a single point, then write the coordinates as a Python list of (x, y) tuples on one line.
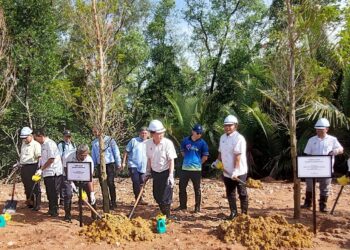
[(98, 27), (297, 77)]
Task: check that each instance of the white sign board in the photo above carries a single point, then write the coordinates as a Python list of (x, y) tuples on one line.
[(314, 166), (79, 171)]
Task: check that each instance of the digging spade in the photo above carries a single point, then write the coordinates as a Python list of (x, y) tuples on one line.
[(10, 205), (137, 201)]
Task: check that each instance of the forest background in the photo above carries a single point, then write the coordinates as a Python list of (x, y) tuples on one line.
[(194, 64)]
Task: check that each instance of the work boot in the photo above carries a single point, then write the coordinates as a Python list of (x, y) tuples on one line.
[(113, 205), (37, 203), (179, 208), (54, 211), (197, 208), (167, 210), (29, 203), (244, 204), (323, 204), (233, 209), (308, 200), (67, 209), (198, 200), (162, 209)]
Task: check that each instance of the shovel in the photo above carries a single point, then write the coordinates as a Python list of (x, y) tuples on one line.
[(10, 205), (137, 201), (84, 199)]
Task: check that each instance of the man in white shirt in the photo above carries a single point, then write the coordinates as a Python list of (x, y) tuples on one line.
[(51, 169), (161, 154), (66, 146), (29, 158), (321, 144), (232, 153), (81, 155)]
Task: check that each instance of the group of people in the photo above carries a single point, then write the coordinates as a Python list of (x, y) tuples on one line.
[(154, 157)]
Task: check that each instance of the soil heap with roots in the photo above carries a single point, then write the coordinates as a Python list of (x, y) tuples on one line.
[(118, 228), (265, 233)]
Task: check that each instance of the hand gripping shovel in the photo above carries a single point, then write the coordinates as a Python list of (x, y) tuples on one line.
[(84, 199), (137, 201), (10, 205)]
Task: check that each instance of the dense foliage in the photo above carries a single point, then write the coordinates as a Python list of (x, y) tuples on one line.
[(183, 66)]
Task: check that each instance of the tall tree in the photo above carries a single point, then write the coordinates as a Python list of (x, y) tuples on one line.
[(297, 77), (33, 28), (217, 25), (97, 30), (164, 75), (7, 75)]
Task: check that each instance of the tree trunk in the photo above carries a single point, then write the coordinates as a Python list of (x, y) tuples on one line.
[(291, 112), (102, 115)]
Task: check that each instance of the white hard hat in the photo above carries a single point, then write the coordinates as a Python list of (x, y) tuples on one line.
[(230, 119), (322, 124), (25, 132), (156, 126)]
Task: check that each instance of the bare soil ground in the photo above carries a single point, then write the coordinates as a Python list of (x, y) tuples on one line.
[(36, 230)]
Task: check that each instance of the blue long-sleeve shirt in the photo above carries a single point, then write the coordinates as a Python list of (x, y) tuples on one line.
[(112, 154)]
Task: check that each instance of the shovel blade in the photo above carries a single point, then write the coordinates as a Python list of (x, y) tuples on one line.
[(10, 207)]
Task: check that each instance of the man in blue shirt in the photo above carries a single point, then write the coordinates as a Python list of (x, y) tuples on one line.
[(135, 153), (195, 152), (112, 159)]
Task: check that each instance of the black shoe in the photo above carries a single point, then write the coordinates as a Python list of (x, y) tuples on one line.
[(180, 208), (37, 208), (54, 214), (68, 218), (197, 209), (306, 206), (30, 206), (232, 216), (113, 206)]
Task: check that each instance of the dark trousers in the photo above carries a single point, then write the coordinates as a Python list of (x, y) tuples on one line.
[(110, 168), (137, 180), (195, 177), (27, 171), (53, 187), (67, 192), (162, 192), (231, 187)]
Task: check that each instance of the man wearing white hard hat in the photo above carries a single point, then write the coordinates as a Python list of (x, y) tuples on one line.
[(29, 158), (321, 144), (232, 153), (160, 152)]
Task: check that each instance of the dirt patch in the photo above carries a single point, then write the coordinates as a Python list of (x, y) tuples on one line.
[(265, 233), (36, 230), (118, 228)]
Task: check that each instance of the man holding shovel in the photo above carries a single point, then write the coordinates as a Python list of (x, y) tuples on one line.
[(321, 144), (29, 158), (51, 169), (81, 155), (160, 153), (232, 153)]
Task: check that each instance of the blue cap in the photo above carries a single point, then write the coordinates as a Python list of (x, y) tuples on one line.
[(198, 128)]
